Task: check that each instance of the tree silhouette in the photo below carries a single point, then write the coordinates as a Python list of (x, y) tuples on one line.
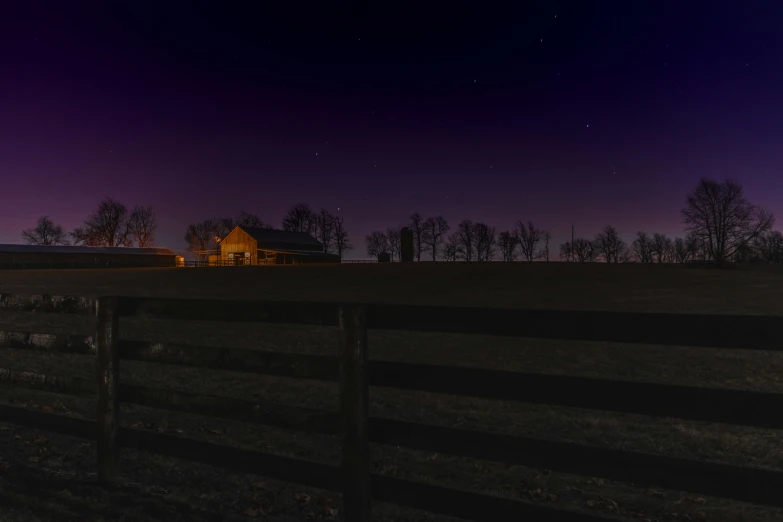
[(107, 226), (299, 218), (376, 243), (45, 233), (323, 229), (394, 242), (507, 242), (434, 234), (418, 227), (610, 246), (723, 219), (642, 248), (485, 241), (529, 237), (142, 225), (341, 242)]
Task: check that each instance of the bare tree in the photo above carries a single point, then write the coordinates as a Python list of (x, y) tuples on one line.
[(418, 228), (199, 237), (507, 241), (662, 248), (394, 240), (220, 228), (434, 234), (45, 233), (466, 240), (642, 247), (141, 226), (722, 217), (107, 226), (341, 242), (583, 250), (451, 248), (299, 218), (567, 252), (529, 237), (323, 225), (610, 246), (681, 254), (377, 243), (768, 248), (248, 220), (486, 242)]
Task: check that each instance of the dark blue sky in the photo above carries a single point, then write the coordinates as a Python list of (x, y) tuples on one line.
[(583, 113)]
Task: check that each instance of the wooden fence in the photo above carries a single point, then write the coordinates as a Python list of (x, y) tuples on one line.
[(351, 367)]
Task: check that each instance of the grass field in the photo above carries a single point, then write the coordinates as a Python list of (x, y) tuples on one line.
[(153, 488)]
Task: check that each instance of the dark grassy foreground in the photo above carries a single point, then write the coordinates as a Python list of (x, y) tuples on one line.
[(45, 477)]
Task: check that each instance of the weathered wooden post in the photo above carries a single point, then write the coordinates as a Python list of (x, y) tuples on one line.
[(355, 405), (108, 372)]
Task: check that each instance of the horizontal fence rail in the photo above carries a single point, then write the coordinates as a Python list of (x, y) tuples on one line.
[(357, 429)]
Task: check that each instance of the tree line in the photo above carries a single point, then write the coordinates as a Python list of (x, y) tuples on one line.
[(110, 225), (470, 241), (720, 225), (324, 226)]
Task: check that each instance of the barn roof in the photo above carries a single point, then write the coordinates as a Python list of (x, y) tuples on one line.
[(268, 235), (21, 249)]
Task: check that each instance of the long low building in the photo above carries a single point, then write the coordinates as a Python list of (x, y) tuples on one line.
[(38, 256)]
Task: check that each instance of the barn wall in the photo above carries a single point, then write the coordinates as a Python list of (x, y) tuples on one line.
[(238, 241), (12, 260)]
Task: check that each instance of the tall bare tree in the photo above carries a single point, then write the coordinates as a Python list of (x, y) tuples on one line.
[(142, 225), (394, 240), (342, 243), (299, 218), (323, 227), (466, 240), (567, 252), (529, 237), (434, 234), (199, 237), (417, 226), (376, 243), (451, 248), (722, 217), (642, 247), (45, 233), (507, 242), (486, 241), (581, 250), (248, 220), (610, 246), (662, 248), (769, 247), (107, 226)]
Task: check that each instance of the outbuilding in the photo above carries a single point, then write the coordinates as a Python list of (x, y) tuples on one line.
[(39, 256), (262, 246)]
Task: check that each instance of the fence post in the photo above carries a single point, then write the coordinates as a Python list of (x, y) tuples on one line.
[(108, 373), (355, 405)]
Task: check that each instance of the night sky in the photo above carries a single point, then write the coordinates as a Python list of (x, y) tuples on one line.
[(584, 113)]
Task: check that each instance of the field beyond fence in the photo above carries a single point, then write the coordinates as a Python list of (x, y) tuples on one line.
[(351, 367)]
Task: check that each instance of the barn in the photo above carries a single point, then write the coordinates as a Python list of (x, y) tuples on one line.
[(261, 246), (38, 256)]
